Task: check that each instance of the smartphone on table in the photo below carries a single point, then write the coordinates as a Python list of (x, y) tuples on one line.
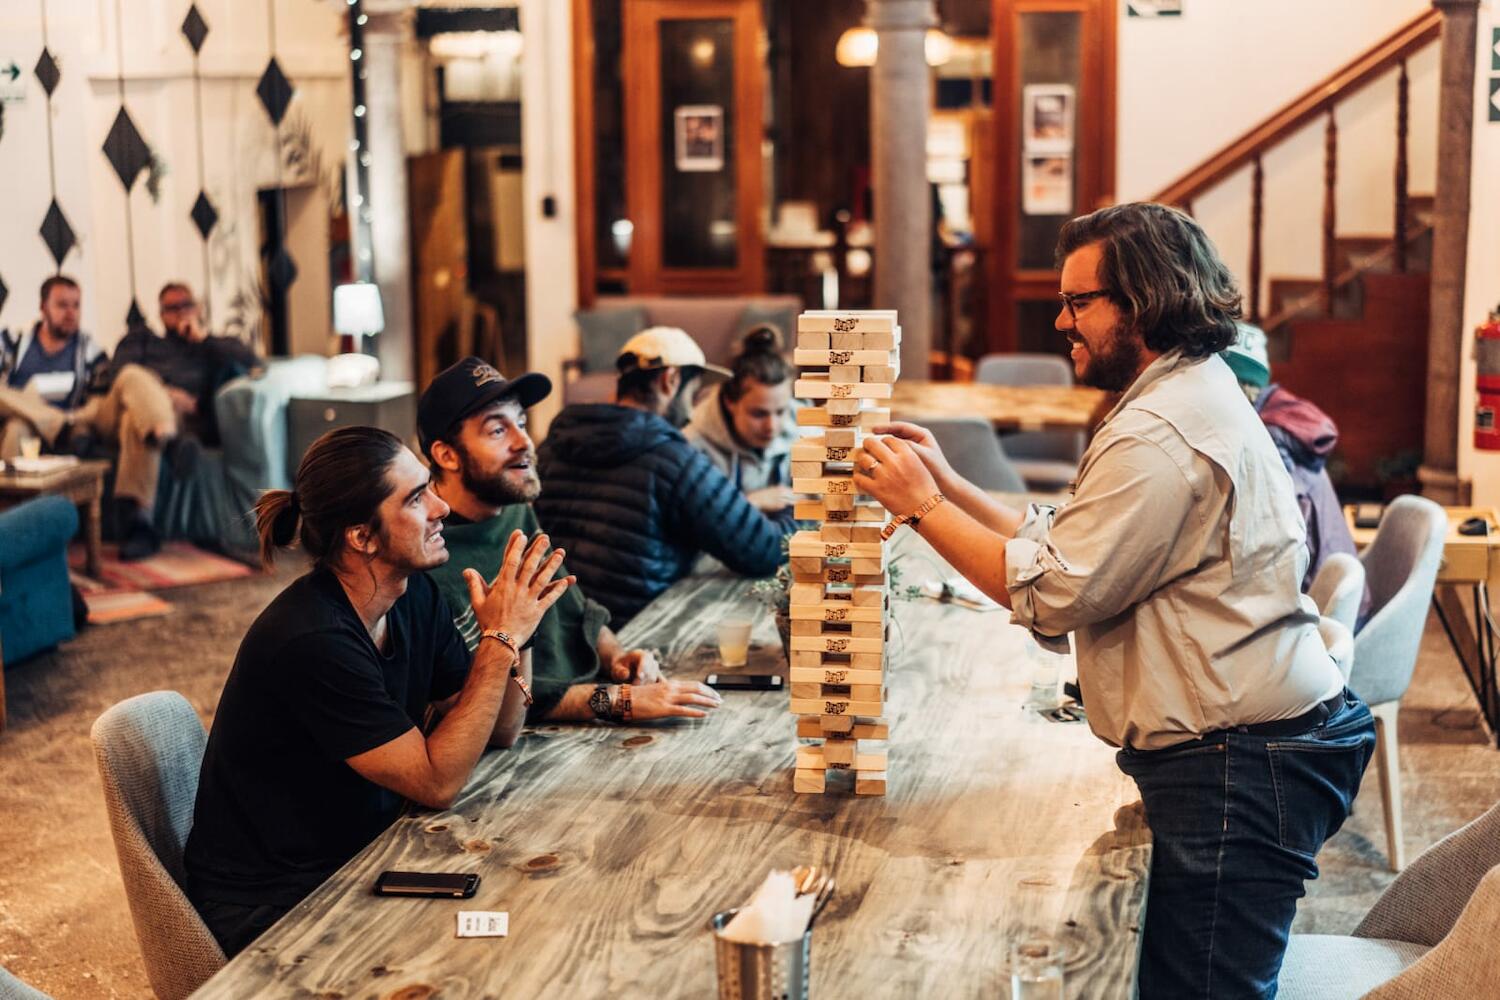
[(744, 682), (444, 885)]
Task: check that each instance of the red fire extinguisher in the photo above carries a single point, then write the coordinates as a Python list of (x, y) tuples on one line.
[(1487, 383)]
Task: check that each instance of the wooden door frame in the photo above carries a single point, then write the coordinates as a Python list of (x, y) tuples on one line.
[(1094, 163), (583, 152)]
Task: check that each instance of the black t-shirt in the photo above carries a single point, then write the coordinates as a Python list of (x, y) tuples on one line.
[(278, 810)]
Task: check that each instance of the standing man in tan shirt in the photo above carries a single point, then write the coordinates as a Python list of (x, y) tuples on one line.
[(1176, 567)]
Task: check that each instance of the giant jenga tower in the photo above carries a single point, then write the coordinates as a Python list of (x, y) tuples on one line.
[(840, 608)]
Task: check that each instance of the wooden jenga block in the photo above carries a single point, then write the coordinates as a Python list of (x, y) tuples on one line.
[(808, 781), (803, 451), (835, 706), (868, 782), (847, 341), (827, 484), (839, 752), (807, 543), (810, 727), (867, 661), (848, 320), (867, 567), (825, 674), (880, 341), (806, 593), (836, 611), (868, 629), (867, 597), (873, 761), (866, 692), (807, 689), (813, 385), (806, 659), (845, 373), (834, 724), (842, 501), (822, 416), (880, 373), (813, 340), (831, 756), (865, 533), (836, 644), (806, 470), (819, 359), (836, 532), (841, 437)]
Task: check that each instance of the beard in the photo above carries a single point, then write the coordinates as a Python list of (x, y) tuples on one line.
[(1116, 366), (496, 489)]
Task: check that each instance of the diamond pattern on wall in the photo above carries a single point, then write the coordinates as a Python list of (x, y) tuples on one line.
[(134, 318), (205, 216), (195, 28), (126, 151), (47, 72), (4, 294), (57, 234), (275, 91), (283, 269)]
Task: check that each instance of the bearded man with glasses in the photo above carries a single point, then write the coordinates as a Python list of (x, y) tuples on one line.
[(1176, 569)]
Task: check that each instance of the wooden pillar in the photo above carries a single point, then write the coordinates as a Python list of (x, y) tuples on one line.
[(900, 96), (387, 36), (1450, 244)]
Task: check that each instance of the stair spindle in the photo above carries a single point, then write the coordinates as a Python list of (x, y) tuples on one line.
[(1257, 193), (1403, 87), (1330, 180)]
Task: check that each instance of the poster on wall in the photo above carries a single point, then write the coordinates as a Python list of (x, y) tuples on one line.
[(1047, 117), (1047, 184), (1154, 8), (700, 138)]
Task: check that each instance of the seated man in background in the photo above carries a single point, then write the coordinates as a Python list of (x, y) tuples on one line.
[(322, 729), (59, 385), (1305, 437), (472, 424), (628, 497), (191, 364), (747, 425)]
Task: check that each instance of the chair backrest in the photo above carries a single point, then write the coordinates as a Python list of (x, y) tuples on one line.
[(1339, 642), (149, 749), (1033, 369), (1338, 587), (971, 447), (1401, 567), (1423, 902)]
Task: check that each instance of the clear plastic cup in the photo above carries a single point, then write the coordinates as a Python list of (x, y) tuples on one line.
[(734, 642), (1036, 968)]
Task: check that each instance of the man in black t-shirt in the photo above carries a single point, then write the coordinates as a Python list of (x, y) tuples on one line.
[(320, 732)]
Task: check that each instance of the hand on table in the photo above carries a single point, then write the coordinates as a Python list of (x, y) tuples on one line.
[(892, 471), (637, 666), (665, 699), (523, 589)]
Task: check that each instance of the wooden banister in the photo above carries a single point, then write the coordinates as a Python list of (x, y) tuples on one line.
[(1355, 76)]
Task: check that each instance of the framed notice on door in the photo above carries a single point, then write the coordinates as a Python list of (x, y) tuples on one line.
[(700, 138)]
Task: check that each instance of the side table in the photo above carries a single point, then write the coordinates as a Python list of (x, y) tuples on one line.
[(391, 406), (83, 484)]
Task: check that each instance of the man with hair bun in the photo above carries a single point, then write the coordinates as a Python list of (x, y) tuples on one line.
[(747, 425), (323, 728), (1176, 567)]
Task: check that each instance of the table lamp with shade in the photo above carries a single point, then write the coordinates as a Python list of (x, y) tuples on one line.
[(357, 313)]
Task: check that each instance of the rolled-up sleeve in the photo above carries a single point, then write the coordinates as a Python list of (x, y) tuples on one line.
[(1107, 549)]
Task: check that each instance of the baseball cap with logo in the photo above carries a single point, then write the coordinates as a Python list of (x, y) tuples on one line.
[(660, 347), (468, 387), (1247, 357)]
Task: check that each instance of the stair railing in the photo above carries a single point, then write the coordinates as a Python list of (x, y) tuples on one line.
[(1322, 99)]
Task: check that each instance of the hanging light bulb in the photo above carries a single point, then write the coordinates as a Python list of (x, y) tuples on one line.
[(859, 47)]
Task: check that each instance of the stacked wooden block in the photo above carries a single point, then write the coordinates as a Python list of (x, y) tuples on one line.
[(840, 608)]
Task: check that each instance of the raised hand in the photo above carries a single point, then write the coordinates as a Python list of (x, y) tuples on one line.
[(522, 591), (891, 471), (923, 443)]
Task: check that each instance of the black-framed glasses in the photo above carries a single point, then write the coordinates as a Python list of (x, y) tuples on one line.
[(174, 307), (1076, 301)]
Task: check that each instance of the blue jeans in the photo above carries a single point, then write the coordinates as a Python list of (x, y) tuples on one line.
[(1236, 822)]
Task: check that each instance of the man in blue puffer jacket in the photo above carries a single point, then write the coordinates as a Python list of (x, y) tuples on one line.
[(626, 495)]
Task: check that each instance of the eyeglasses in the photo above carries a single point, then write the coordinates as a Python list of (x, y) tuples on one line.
[(172, 307), (1076, 301)]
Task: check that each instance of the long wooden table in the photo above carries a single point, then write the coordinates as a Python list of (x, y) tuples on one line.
[(1008, 407), (611, 847)]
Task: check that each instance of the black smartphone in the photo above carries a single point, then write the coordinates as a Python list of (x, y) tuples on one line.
[(1367, 515), (447, 885), (744, 682)]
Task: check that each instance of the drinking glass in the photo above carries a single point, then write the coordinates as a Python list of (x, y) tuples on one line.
[(734, 642), (1036, 968)]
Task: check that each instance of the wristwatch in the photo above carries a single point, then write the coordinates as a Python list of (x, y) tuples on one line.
[(599, 703)]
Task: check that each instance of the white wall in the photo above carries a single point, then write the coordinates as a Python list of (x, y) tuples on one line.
[(547, 151), (239, 142), (1190, 85), (1483, 276)]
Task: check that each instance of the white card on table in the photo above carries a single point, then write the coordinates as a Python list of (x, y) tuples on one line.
[(481, 923)]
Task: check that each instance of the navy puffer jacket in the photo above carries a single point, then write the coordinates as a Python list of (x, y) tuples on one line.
[(633, 504)]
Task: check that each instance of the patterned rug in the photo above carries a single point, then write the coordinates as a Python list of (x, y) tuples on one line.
[(178, 564)]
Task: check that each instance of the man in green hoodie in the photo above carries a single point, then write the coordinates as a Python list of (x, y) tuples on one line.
[(472, 425)]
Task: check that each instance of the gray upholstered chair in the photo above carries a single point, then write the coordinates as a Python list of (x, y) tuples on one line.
[(12, 988), (1401, 567), (149, 749), (1340, 643), (971, 447), (1338, 588), (1430, 935), (1047, 460)]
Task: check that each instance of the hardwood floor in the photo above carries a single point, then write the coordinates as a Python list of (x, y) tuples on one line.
[(65, 927)]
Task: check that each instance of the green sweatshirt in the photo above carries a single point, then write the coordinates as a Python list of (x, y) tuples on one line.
[(564, 648)]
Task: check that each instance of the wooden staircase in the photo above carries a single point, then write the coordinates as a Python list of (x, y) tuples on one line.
[(1353, 340)]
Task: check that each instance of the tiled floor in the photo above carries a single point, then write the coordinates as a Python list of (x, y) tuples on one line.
[(65, 927)]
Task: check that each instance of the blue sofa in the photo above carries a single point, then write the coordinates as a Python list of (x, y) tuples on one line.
[(36, 602)]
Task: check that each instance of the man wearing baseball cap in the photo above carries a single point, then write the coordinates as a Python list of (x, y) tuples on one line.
[(630, 499), (472, 426)]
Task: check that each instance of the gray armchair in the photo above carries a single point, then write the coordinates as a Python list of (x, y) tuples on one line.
[(149, 750), (1338, 588), (1047, 460), (1401, 567), (1430, 935), (971, 447)]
